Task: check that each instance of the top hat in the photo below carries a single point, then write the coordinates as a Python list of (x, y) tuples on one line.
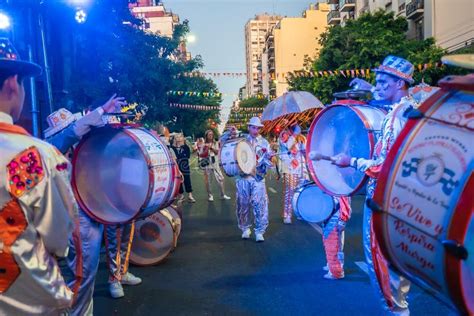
[(398, 67), (10, 61)]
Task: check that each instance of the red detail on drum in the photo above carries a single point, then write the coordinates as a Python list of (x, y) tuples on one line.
[(348, 102), (457, 231), (25, 171), (12, 225), (458, 83)]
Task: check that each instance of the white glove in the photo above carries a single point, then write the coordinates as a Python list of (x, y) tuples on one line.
[(364, 164), (91, 119)]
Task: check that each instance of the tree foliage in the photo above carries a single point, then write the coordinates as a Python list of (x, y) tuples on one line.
[(114, 55), (364, 43)]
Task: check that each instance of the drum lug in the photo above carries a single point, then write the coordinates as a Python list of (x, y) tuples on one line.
[(455, 249), (373, 205), (415, 114)]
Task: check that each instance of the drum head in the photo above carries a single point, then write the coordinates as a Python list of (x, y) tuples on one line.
[(314, 205), (339, 129), (109, 174), (153, 240), (246, 157)]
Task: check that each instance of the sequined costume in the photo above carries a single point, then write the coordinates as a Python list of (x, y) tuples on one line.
[(293, 167), (37, 210), (333, 236), (251, 190), (391, 288)]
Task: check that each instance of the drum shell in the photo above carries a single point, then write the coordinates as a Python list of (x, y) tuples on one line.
[(424, 196), (149, 154), (330, 125), (323, 214)]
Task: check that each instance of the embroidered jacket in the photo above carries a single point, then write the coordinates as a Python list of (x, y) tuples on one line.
[(37, 208)]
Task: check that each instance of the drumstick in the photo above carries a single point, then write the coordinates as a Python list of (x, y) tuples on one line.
[(317, 156)]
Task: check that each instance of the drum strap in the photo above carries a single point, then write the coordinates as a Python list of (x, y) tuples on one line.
[(129, 247)]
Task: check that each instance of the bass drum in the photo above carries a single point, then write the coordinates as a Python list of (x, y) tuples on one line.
[(312, 204), (237, 156), (347, 127), (120, 174), (423, 203), (155, 237)]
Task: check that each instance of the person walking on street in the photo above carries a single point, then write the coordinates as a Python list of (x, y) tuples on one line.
[(208, 151), (183, 153)]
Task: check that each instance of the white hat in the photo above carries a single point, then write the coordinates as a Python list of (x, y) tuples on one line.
[(255, 121), (58, 121)]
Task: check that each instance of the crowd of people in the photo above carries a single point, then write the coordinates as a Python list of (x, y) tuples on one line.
[(40, 220)]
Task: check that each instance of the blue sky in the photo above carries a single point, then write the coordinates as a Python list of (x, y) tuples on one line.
[(219, 28)]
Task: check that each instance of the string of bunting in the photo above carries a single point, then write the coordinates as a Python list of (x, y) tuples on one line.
[(312, 74), (207, 94), (195, 107)]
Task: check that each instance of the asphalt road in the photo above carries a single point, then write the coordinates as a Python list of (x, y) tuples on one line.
[(214, 272)]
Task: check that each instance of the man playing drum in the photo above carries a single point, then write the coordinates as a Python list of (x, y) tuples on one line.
[(37, 207), (293, 164), (64, 132), (251, 189), (392, 82)]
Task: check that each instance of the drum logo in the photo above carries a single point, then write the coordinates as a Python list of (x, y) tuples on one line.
[(431, 171)]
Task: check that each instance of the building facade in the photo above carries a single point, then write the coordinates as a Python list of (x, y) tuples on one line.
[(291, 42), (256, 31), (450, 23)]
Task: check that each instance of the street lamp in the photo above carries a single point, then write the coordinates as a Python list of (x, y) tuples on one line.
[(81, 16), (4, 21)]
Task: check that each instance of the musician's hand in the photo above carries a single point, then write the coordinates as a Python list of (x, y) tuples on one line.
[(341, 160), (114, 104), (360, 84)]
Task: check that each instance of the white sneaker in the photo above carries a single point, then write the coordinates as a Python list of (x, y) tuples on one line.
[(211, 198), (246, 233), (130, 279), (329, 276), (326, 268), (259, 238), (287, 220), (225, 197), (191, 199), (116, 289)]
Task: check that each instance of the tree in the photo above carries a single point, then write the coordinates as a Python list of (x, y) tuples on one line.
[(362, 44), (114, 55)]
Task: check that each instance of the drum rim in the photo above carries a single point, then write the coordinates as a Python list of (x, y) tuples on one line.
[(452, 276), (371, 140), (75, 189), (165, 255)]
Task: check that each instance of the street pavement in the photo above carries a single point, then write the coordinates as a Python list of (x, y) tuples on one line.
[(214, 272)]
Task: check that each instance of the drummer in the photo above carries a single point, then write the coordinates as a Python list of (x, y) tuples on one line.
[(293, 166), (251, 189), (392, 83), (84, 245), (37, 208)]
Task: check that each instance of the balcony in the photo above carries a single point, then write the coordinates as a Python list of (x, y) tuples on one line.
[(334, 17), (415, 9), (347, 5)]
